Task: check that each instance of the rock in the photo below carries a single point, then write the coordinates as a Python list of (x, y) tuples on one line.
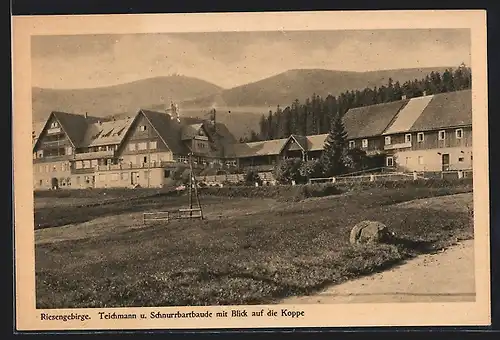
[(370, 232)]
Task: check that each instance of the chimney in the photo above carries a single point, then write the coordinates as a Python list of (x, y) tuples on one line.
[(403, 97), (86, 115)]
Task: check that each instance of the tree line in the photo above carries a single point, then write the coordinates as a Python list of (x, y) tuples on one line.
[(314, 115)]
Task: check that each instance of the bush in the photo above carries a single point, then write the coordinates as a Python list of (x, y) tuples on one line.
[(288, 170), (252, 177), (177, 173), (311, 169)]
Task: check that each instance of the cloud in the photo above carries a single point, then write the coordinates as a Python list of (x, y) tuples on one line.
[(231, 59)]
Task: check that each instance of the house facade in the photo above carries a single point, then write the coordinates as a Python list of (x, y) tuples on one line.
[(428, 133), (78, 151), (432, 133)]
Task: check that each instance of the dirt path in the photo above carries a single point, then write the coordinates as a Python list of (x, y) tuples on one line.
[(443, 277)]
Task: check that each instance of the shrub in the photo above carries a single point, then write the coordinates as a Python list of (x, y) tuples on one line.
[(287, 171), (311, 169), (177, 173), (252, 177), (355, 159)]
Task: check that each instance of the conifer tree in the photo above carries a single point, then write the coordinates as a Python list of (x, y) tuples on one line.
[(332, 158)]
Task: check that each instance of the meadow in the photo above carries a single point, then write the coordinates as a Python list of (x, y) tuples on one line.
[(256, 245)]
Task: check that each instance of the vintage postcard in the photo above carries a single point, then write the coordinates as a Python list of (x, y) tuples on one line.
[(251, 170)]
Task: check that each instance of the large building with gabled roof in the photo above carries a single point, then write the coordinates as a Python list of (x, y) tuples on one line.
[(428, 133), (78, 151)]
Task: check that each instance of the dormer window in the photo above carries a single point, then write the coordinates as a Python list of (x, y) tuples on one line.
[(364, 143), (420, 137), (442, 135), (459, 133), (352, 144), (387, 140)]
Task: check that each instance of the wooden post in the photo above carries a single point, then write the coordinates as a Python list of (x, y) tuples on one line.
[(190, 184), (194, 183)]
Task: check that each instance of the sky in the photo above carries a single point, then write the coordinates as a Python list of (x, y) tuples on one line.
[(229, 59)]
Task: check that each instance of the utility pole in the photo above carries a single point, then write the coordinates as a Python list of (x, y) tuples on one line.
[(193, 184), (148, 146)]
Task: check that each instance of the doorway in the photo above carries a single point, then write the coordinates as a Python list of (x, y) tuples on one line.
[(133, 178), (445, 162)]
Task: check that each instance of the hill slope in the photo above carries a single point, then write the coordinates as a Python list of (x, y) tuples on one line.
[(239, 108), (285, 87), (128, 97)]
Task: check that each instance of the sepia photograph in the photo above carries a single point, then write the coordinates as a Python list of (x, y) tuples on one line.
[(250, 175)]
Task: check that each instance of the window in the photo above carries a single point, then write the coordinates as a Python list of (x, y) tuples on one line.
[(352, 144), (145, 159), (420, 137), (460, 159), (77, 180), (86, 164), (69, 150), (41, 182), (142, 146), (166, 173), (153, 145), (131, 147), (142, 128), (54, 125), (420, 160), (154, 157), (408, 138), (459, 133), (114, 177), (387, 140), (441, 135), (364, 143), (146, 174), (408, 160), (93, 163), (390, 161), (182, 159)]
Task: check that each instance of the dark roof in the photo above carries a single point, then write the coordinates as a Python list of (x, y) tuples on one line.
[(74, 125), (170, 130), (369, 121), (446, 110), (301, 140)]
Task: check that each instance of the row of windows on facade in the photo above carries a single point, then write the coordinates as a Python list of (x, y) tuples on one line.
[(420, 159), (408, 138), (68, 151), (143, 146)]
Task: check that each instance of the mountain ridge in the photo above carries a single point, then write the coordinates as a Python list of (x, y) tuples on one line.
[(240, 107)]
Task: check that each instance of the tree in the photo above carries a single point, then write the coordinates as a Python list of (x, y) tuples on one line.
[(287, 171), (311, 169), (332, 158), (252, 177), (270, 126), (355, 159)]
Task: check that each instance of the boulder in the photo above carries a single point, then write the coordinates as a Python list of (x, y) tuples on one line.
[(370, 232)]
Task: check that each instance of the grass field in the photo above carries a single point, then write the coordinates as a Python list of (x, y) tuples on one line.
[(247, 251)]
